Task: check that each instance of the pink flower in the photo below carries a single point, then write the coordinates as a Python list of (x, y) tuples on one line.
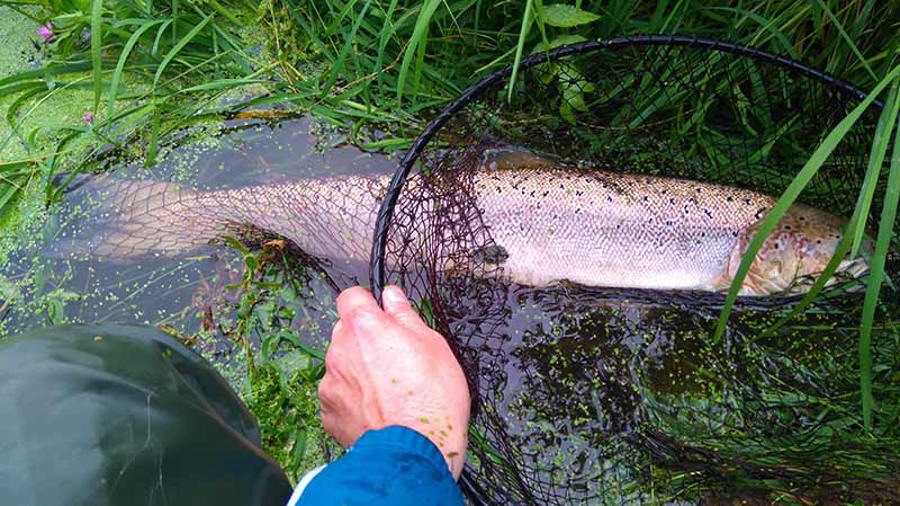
[(88, 118), (46, 32)]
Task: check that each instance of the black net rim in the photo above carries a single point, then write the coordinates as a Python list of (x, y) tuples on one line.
[(377, 273)]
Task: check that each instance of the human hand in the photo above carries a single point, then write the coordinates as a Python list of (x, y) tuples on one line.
[(389, 368)]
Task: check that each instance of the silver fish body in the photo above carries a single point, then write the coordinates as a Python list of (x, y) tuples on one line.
[(552, 224)]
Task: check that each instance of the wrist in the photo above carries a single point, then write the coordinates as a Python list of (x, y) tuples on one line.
[(411, 440), (450, 439)]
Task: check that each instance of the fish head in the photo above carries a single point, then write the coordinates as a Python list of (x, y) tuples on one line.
[(796, 252)]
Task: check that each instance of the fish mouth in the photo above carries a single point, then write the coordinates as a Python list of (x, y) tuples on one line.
[(853, 268), (848, 270)]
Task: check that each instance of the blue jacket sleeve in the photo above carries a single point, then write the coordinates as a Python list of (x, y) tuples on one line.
[(394, 465)]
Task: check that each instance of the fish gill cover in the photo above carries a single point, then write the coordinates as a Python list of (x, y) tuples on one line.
[(587, 395)]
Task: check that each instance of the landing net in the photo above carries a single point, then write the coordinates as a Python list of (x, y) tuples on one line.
[(621, 396)]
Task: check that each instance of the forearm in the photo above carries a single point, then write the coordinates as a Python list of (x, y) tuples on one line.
[(395, 465)]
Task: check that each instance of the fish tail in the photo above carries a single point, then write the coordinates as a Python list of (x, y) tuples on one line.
[(127, 218)]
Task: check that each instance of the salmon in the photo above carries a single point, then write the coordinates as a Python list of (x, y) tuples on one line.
[(549, 223)]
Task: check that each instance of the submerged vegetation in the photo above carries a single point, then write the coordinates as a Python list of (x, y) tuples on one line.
[(92, 77)]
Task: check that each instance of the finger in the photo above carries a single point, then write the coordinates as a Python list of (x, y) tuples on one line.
[(355, 300), (397, 305)]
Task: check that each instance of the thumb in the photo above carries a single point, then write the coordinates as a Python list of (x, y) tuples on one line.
[(397, 305)]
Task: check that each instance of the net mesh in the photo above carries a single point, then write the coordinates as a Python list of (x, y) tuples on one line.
[(592, 395)]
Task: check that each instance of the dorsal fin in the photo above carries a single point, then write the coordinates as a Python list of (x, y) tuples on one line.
[(506, 157)]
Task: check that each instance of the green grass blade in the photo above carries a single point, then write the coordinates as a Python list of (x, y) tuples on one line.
[(419, 32), (876, 276), (177, 48), (847, 38), (221, 84), (387, 30), (97, 47), (420, 64), (229, 15), (876, 159), (520, 47), (120, 65), (790, 195), (338, 66), (153, 146)]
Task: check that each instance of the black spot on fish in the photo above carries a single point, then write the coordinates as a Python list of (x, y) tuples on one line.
[(729, 198), (578, 193), (787, 227), (735, 233), (672, 201), (702, 234), (747, 200), (547, 192), (802, 218), (669, 223), (646, 198), (708, 213), (818, 241), (532, 193), (491, 255), (608, 199)]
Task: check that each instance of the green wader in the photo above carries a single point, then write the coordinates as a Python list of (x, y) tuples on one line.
[(124, 415)]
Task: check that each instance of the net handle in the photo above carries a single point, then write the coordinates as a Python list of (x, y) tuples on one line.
[(385, 212)]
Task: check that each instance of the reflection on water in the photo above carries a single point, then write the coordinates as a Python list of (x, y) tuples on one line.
[(583, 396)]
